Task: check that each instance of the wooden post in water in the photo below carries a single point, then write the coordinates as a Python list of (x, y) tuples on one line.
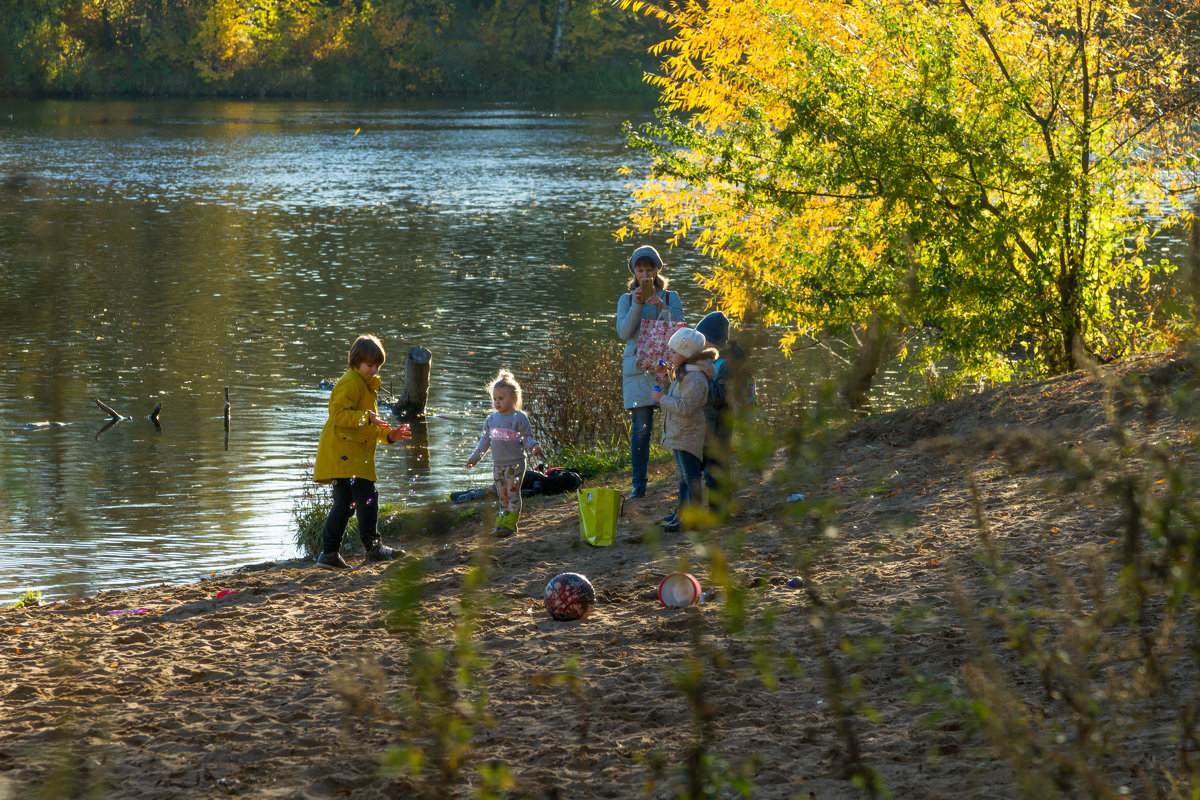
[(416, 383)]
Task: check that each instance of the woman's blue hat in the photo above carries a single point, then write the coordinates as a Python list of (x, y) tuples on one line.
[(715, 328), (645, 251)]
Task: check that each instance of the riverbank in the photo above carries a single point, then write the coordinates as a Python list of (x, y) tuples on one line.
[(277, 680)]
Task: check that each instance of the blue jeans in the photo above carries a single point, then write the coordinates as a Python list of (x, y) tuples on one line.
[(689, 468), (712, 468), (639, 443)]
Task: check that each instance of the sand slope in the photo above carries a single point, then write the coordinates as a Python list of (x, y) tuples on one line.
[(284, 688)]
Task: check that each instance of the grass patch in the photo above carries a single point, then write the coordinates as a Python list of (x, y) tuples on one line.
[(394, 524), (593, 463), (313, 505)]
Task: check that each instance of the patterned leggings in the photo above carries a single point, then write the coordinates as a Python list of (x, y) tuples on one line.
[(508, 478)]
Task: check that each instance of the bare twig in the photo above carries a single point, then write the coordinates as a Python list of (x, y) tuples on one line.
[(116, 416)]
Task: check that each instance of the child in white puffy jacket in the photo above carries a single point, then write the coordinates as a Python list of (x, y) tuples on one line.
[(684, 427)]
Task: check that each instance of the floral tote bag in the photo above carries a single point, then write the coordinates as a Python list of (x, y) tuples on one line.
[(652, 339)]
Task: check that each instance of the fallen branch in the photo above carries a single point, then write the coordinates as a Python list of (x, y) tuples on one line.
[(154, 414), (116, 417)]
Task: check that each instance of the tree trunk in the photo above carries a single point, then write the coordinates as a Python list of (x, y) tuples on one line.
[(874, 346), (1195, 276), (558, 28)]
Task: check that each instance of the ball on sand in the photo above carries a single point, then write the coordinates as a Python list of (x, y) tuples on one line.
[(569, 596)]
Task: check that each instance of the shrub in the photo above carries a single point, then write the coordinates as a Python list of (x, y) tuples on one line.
[(573, 395), (32, 598)]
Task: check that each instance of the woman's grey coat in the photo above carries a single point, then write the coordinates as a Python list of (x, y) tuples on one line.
[(637, 384)]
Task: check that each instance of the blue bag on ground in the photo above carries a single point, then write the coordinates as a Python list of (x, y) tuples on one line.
[(599, 510)]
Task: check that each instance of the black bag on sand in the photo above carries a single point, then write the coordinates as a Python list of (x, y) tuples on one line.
[(556, 480)]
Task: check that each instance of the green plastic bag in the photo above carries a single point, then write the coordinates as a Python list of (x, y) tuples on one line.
[(599, 510)]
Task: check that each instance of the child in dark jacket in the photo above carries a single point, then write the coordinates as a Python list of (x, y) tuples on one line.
[(729, 390)]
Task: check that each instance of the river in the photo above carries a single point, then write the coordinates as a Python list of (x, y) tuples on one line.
[(163, 251)]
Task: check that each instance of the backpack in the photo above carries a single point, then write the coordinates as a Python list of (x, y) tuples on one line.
[(736, 390), (561, 479), (555, 480)]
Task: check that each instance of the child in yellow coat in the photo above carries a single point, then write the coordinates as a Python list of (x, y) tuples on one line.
[(346, 455)]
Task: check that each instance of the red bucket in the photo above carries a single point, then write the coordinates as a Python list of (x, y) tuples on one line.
[(679, 589)]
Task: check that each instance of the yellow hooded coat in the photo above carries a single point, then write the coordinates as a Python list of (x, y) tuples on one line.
[(347, 446)]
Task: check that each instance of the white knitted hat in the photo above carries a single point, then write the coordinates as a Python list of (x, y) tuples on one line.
[(687, 342)]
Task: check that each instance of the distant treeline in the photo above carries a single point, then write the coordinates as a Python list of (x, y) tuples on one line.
[(321, 48)]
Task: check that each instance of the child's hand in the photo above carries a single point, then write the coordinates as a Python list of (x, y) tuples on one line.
[(400, 432), (470, 465), (537, 450), (656, 395), (375, 419)]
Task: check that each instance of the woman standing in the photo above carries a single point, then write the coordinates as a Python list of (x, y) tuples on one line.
[(644, 264)]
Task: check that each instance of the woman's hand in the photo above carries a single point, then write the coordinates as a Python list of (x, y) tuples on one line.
[(537, 450), (657, 302)]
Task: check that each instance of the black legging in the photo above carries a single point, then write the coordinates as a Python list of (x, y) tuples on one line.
[(356, 495)]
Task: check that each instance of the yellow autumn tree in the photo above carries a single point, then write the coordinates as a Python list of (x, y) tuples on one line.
[(971, 175)]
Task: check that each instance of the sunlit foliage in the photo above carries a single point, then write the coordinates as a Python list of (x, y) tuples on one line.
[(982, 173), (317, 47)]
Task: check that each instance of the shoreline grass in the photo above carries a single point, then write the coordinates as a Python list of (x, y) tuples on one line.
[(397, 522)]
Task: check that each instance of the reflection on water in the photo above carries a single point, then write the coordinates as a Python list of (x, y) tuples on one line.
[(164, 251)]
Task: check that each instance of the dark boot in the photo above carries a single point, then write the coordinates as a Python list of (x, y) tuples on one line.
[(381, 552), (332, 561)]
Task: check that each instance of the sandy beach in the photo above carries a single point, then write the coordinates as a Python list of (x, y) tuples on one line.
[(281, 680)]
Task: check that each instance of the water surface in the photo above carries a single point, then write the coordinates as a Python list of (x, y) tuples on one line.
[(161, 252)]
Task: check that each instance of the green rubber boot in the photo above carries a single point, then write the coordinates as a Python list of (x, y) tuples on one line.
[(506, 524)]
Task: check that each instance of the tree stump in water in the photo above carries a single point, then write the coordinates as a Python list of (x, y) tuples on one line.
[(416, 383)]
